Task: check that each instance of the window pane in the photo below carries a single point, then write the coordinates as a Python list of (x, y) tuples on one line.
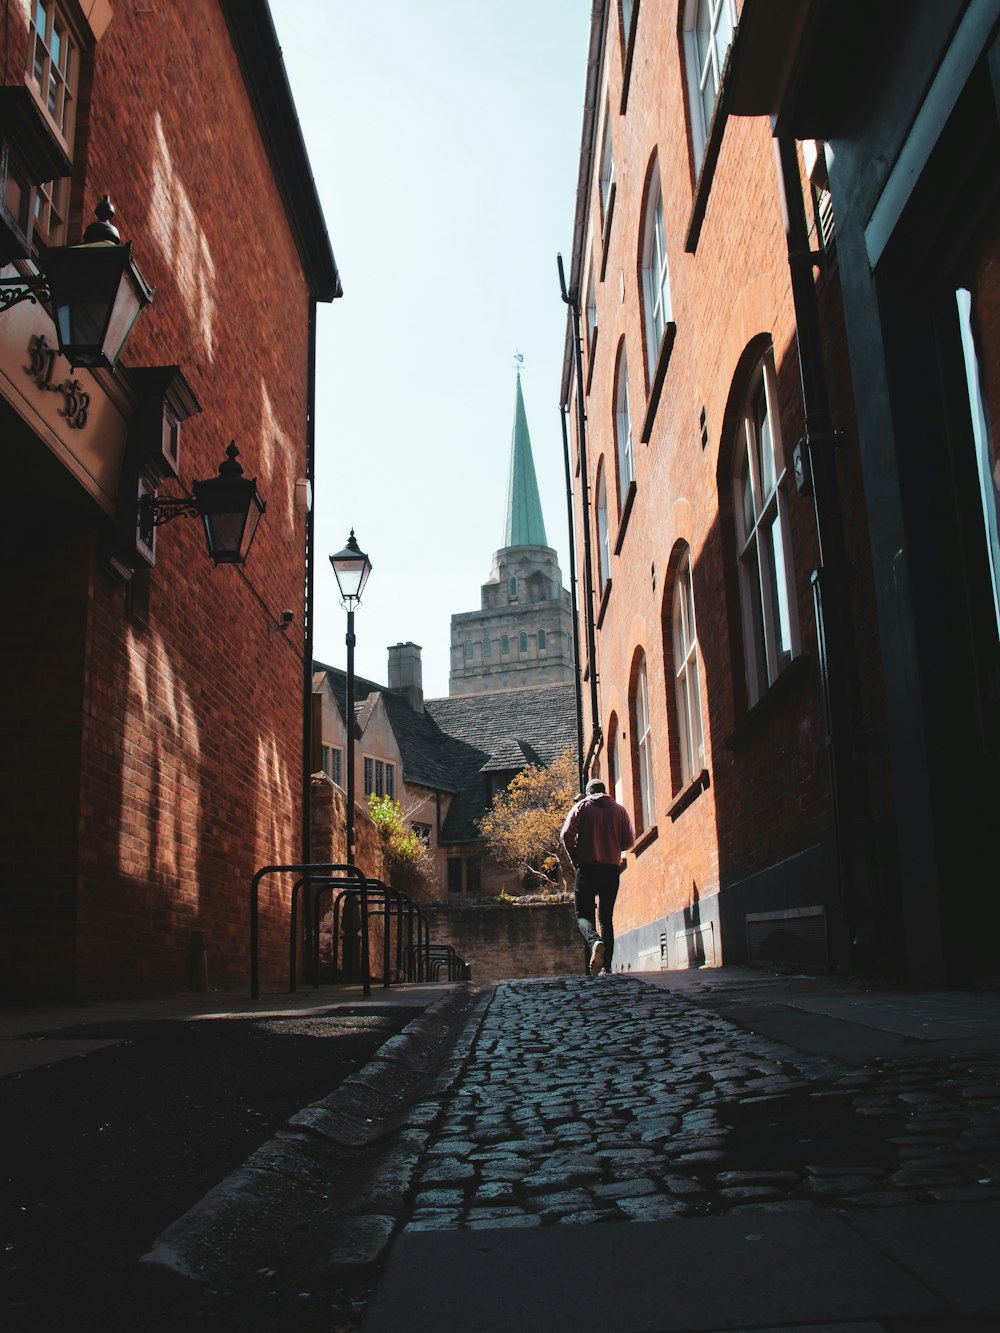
[(779, 597), (754, 613), (744, 494), (390, 780), (765, 444), (986, 462), (541, 639), (504, 644), (487, 648), (523, 642)]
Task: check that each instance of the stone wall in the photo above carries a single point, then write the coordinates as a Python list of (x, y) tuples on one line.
[(501, 940)]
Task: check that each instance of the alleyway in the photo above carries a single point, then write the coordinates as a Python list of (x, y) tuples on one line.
[(713, 1150)]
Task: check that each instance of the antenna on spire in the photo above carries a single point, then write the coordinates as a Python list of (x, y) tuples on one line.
[(518, 362)]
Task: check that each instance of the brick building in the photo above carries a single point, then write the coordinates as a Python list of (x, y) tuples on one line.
[(770, 688), (443, 760), (154, 736)]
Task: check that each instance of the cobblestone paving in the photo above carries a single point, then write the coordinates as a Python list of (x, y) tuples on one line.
[(588, 1100)]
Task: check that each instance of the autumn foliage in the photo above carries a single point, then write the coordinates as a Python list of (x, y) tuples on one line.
[(523, 823)]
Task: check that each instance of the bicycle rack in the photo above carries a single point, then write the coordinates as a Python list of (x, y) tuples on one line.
[(308, 873)]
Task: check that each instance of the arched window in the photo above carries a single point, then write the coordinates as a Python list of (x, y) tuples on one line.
[(591, 311), (468, 650), (541, 641), (708, 34), (607, 168), (770, 628), (512, 588), (487, 648), (623, 431), (504, 645), (687, 675), (655, 273), (643, 748), (522, 642), (614, 764), (603, 540)]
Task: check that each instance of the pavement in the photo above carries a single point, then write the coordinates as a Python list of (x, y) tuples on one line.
[(720, 1149)]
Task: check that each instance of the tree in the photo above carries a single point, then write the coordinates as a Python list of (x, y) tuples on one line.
[(405, 850), (522, 825)]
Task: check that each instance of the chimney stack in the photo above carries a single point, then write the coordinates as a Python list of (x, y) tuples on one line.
[(406, 673)]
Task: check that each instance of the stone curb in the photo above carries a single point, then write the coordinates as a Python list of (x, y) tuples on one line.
[(399, 1092)]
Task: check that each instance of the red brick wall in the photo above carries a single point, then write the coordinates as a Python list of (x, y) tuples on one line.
[(768, 795), (188, 759)]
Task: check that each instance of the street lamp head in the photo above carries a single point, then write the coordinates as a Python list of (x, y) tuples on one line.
[(351, 567), (97, 292), (230, 507)]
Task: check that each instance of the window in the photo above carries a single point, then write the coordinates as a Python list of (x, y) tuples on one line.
[(643, 742), (504, 645), (708, 34), (986, 462), (522, 642), (369, 776), (423, 832), (591, 312), (607, 178), (541, 641), (623, 431), (468, 650), (512, 588), (761, 516), (464, 873), (603, 540), (333, 764), (614, 767), (53, 75), (487, 648), (390, 780), (655, 274), (687, 676)]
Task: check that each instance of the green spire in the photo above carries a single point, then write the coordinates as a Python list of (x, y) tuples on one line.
[(525, 525)]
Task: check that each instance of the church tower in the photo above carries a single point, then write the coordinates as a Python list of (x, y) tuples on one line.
[(523, 633)]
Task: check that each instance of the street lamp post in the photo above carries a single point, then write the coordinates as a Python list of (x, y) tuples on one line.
[(351, 567)]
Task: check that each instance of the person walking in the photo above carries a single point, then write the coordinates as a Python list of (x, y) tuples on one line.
[(596, 832)]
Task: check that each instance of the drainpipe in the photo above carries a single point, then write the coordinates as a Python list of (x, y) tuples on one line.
[(831, 581), (307, 674), (581, 771), (588, 579)]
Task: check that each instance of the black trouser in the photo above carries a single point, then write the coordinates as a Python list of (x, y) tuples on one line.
[(595, 890)]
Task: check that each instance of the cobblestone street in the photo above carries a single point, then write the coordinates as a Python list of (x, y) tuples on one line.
[(597, 1100)]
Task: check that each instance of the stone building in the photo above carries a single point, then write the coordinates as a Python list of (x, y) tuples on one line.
[(522, 635), (153, 743)]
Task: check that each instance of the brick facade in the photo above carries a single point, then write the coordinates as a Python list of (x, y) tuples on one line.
[(750, 830), (151, 763)]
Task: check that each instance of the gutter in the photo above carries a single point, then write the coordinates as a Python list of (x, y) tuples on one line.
[(574, 356)]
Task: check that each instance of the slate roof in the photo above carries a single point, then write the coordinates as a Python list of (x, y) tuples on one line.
[(458, 745), (485, 734)]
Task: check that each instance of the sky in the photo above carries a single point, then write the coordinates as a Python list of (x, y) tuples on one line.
[(444, 138)]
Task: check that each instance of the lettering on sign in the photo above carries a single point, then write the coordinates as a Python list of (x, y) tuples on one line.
[(76, 400)]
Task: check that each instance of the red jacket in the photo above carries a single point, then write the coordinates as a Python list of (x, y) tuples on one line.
[(597, 830)]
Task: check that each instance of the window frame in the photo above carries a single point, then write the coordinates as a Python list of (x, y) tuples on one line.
[(603, 529), (687, 674), (702, 66), (49, 202), (624, 435), (655, 275), (643, 780), (766, 574)]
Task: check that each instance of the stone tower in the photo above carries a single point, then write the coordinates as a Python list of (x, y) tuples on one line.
[(523, 632)]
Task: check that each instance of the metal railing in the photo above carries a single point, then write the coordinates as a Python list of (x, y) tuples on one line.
[(407, 951)]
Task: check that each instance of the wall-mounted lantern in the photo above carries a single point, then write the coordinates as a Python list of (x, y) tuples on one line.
[(95, 290), (229, 506)]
